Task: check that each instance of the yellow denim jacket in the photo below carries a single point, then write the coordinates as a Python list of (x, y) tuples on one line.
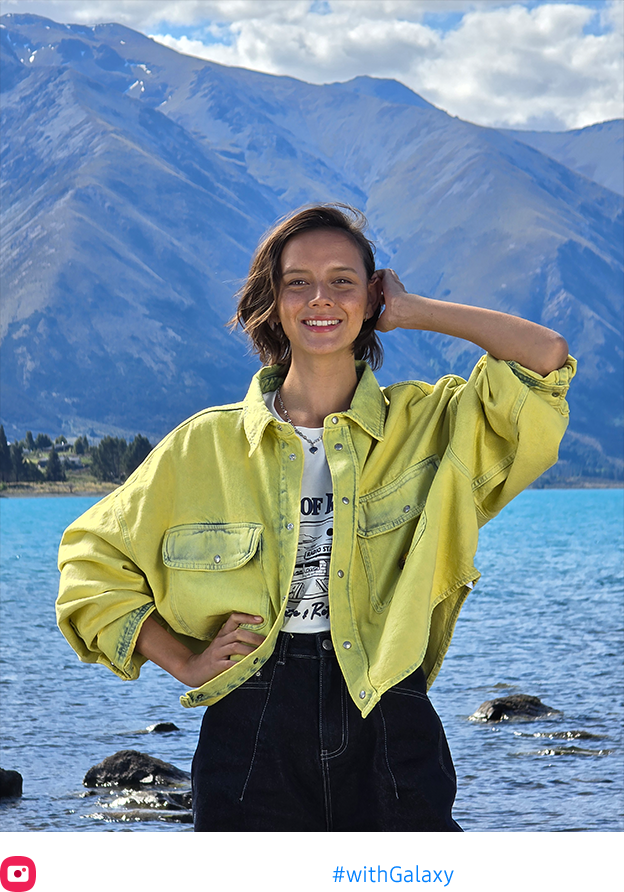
[(209, 523)]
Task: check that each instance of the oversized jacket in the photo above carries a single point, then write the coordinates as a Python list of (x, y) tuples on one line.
[(209, 523)]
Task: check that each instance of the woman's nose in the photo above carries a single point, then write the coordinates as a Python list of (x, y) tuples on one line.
[(322, 295)]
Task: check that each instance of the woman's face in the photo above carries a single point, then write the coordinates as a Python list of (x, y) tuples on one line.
[(324, 293)]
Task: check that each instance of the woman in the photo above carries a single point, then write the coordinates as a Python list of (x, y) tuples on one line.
[(300, 559)]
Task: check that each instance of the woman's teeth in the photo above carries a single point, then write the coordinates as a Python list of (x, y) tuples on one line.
[(324, 323)]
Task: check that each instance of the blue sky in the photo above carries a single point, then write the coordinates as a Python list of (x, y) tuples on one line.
[(538, 64)]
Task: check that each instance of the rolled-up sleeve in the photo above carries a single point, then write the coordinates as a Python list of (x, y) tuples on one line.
[(521, 418), (104, 598)]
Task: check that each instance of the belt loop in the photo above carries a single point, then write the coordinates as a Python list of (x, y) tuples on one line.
[(283, 648)]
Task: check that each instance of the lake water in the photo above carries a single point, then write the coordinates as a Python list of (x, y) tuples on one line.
[(546, 619)]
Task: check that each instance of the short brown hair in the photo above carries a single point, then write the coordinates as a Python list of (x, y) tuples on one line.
[(258, 296)]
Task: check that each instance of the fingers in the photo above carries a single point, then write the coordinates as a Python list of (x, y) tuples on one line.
[(232, 639), (237, 619), (388, 277), (393, 300)]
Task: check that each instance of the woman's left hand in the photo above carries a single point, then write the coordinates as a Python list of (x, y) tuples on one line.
[(400, 308)]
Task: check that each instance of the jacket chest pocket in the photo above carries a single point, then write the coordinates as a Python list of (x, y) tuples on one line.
[(214, 569), (391, 522)]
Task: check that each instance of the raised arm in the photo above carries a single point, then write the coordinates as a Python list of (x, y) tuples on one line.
[(505, 337)]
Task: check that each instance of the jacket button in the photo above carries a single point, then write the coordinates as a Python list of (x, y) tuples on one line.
[(556, 393), (290, 526), (338, 447), (292, 456), (345, 500), (334, 420), (340, 574), (362, 695), (346, 645), (217, 558), (406, 508)]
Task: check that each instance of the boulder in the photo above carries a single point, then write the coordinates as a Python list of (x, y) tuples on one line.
[(10, 784), (129, 768), (162, 728), (514, 706)]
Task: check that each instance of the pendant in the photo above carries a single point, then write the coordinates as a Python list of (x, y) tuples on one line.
[(313, 449)]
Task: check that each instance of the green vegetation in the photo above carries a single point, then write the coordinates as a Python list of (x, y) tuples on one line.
[(54, 468), (114, 459), (81, 466)]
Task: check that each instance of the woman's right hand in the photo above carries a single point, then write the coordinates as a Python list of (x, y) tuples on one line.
[(194, 670), (230, 639)]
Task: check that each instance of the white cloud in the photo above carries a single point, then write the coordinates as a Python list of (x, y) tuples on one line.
[(502, 64), (518, 67)]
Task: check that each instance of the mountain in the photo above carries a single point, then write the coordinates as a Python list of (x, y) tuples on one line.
[(594, 151), (136, 182)]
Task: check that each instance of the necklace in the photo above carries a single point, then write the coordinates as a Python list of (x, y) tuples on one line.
[(313, 447)]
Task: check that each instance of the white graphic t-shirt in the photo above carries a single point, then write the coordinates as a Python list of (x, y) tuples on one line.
[(308, 602)]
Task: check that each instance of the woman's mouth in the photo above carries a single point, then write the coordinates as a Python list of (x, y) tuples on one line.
[(321, 323)]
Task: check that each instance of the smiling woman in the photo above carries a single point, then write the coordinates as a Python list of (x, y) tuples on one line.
[(325, 295), (313, 293), (300, 558), (339, 227)]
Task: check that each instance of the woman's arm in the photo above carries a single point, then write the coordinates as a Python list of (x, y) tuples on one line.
[(505, 337), (194, 670)]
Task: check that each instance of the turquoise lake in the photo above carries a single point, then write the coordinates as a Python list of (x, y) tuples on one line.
[(546, 619)]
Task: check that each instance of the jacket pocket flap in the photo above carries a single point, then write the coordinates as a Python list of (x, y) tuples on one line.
[(211, 546), (398, 502)]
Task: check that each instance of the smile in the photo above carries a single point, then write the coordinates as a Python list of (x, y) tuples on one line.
[(321, 323)]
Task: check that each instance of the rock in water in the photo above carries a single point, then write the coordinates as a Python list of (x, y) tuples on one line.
[(129, 768), (10, 784), (515, 706), (162, 728)]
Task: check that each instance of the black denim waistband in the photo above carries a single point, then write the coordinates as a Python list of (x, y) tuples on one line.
[(306, 644)]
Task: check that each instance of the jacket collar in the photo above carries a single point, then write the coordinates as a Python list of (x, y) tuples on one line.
[(368, 408)]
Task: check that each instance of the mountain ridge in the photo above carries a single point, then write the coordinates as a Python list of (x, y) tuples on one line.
[(140, 181)]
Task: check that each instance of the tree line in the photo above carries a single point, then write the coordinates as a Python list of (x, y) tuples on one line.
[(112, 460)]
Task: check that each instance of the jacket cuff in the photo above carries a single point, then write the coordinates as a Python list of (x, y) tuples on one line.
[(117, 642), (559, 378)]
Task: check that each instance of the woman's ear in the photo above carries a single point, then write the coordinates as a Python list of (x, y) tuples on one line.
[(274, 320)]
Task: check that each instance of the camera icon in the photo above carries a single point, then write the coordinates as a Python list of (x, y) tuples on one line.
[(18, 873)]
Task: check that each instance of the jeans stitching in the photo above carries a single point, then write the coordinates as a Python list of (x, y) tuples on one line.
[(323, 760), (385, 735), (281, 657), (409, 694), (255, 749), (344, 743), (441, 738)]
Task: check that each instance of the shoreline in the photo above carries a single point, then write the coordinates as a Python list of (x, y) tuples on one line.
[(35, 492), (30, 491)]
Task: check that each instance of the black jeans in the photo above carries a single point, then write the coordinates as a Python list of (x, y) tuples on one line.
[(289, 750)]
